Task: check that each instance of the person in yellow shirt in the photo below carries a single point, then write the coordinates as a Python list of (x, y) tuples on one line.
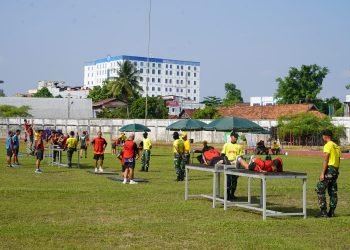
[(275, 148), (187, 144), (71, 146), (231, 151), (179, 150), (329, 175), (146, 153)]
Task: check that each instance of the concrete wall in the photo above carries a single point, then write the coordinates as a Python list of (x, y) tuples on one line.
[(52, 108)]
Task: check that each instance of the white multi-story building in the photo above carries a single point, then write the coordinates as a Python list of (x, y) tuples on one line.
[(262, 101), (165, 76)]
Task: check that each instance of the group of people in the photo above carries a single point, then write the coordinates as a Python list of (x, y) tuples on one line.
[(261, 149)]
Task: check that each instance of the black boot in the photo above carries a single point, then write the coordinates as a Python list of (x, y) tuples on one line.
[(331, 212), (146, 169), (323, 213), (142, 169)]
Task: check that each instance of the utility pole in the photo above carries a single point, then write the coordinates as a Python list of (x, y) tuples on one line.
[(148, 56)]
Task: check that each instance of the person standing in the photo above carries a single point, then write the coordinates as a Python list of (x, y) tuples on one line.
[(179, 150), (146, 153), (329, 175), (39, 147), (187, 144), (15, 140), (84, 138), (9, 148), (130, 154), (231, 150), (99, 144), (71, 146)]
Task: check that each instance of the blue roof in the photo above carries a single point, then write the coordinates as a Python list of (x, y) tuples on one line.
[(140, 58)]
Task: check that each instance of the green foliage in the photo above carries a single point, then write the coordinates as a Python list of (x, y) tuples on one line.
[(308, 127), (2, 93), (330, 106), (12, 111), (156, 108), (43, 92), (233, 95), (301, 85), (206, 113), (99, 93), (58, 96), (119, 112), (212, 101), (347, 86)]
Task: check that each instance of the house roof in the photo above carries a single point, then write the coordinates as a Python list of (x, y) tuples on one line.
[(108, 103), (271, 112)]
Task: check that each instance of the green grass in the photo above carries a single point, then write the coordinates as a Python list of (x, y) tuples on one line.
[(72, 209)]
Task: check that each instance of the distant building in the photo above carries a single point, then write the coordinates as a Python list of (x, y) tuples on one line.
[(347, 106), (165, 76), (58, 88), (262, 101), (108, 104), (176, 105)]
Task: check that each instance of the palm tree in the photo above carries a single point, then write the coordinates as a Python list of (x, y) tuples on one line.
[(126, 86)]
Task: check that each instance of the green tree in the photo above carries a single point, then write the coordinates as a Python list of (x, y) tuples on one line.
[(126, 86), (12, 111), (119, 112), (99, 93), (213, 101), (347, 86), (43, 92), (329, 106), (206, 113), (301, 85), (2, 93), (307, 127), (157, 108), (233, 95)]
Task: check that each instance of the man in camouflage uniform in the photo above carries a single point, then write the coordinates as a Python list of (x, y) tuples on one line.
[(179, 149), (329, 176)]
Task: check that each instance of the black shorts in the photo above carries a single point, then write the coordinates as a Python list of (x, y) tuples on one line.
[(31, 138), (252, 166), (15, 151), (9, 152), (83, 147), (99, 157), (39, 154), (114, 146), (128, 165)]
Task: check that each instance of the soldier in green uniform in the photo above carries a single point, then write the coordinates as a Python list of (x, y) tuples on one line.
[(179, 150), (329, 175)]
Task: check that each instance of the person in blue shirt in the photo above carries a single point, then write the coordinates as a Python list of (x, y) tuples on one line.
[(15, 140), (9, 148)]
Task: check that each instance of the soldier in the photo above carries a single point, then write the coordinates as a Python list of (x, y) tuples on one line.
[(232, 150), (178, 148), (329, 175), (187, 145), (71, 147), (146, 153)]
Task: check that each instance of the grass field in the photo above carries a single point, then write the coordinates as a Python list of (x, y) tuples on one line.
[(72, 209)]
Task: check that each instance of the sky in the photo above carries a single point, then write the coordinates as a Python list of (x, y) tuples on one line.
[(249, 43)]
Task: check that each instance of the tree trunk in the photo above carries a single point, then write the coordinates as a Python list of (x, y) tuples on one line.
[(127, 110)]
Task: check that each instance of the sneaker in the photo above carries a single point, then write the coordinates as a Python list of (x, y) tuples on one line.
[(9, 166), (133, 182), (252, 158), (125, 181), (100, 169), (38, 171), (96, 170)]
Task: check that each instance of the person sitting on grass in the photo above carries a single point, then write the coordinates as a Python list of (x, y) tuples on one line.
[(275, 148), (261, 148), (39, 147), (259, 165), (9, 148), (71, 146), (130, 155)]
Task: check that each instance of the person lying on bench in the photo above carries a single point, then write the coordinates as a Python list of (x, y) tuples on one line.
[(259, 165)]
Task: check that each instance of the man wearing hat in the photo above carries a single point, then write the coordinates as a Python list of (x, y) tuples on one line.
[(232, 150), (329, 175), (179, 149), (146, 153), (187, 145)]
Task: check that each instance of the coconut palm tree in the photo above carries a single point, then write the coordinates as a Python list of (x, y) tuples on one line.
[(125, 86)]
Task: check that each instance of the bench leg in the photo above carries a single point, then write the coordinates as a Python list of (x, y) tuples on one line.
[(304, 198)]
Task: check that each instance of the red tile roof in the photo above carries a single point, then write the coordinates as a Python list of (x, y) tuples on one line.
[(271, 112)]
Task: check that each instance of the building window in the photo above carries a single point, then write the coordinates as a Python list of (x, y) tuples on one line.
[(195, 68), (182, 81), (153, 65), (177, 73), (177, 81), (182, 90), (159, 65), (177, 66), (194, 82), (166, 65), (170, 81), (141, 63), (189, 68), (189, 82), (135, 64), (158, 88), (173, 109), (153, 80), (153, 71), (195, 74), (194, 98), (170, 72), (158, 80), (188, 73), (171, 66), (177, 90), (182, 73), (141, 79), (147, 71), (188, 91), (182, 67), (141, 71), (194, 91), (159, 71), (166, 89), (166, 80), (166, 72), (170, 89), (153, 88)]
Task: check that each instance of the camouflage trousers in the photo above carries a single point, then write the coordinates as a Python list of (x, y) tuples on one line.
[(179, 165), (329, 183), (146, 156)]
